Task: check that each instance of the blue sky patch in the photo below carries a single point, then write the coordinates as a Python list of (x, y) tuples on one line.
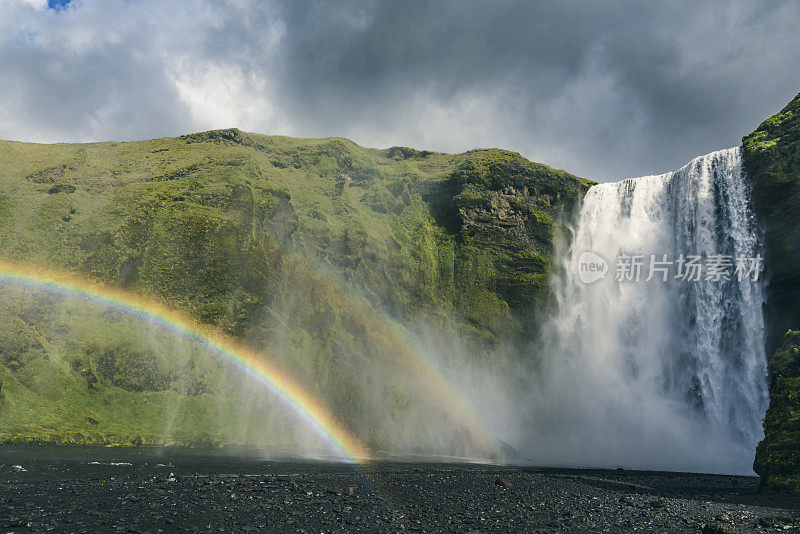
[(58, 5)]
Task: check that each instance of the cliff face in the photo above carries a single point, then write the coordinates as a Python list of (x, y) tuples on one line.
[(772, 162), (505, 213), (771, 156), (778, 455), (313, 250)]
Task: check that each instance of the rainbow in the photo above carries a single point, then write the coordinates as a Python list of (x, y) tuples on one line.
[(442, 390), (448, 395), (214, 341), (439, 389)]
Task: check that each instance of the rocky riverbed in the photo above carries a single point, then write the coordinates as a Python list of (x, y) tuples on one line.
[(152, 490)]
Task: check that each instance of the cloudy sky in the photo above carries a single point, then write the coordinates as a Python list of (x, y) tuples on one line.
[(603, 89)]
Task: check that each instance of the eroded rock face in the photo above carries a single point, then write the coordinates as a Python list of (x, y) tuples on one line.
[(283, 220), (778, 455), (48, 176), (771, 157), (510, 219), (511, 212)]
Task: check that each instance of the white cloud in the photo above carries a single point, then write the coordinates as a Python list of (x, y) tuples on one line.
[(220, 96), (594, 89), (36, 4)]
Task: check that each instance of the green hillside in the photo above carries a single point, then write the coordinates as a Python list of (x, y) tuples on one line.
[(319, 252)]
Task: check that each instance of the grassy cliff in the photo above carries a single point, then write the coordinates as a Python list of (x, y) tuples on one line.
[(771, 156), (322, 253), (778, 456), (772, 162)]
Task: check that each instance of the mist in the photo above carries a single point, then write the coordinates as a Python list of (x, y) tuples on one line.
[(647, 375)]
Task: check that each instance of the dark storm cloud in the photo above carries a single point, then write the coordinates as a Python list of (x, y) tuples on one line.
[(638, 87), (603, 89)]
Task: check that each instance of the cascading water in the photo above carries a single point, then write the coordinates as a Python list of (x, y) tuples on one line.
[(666, 374)]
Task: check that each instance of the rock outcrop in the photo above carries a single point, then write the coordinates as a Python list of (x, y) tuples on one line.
[(772, 163)]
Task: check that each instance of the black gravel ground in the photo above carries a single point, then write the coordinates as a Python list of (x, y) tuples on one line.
[(148, 490)]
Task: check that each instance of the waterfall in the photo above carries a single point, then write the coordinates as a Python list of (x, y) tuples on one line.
[(666, 373)]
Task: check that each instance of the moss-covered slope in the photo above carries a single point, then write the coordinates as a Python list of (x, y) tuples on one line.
[(772, 162), (778, 456), (771, 157), (318, 251)]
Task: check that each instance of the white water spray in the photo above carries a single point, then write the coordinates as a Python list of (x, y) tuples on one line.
[(656, 374)]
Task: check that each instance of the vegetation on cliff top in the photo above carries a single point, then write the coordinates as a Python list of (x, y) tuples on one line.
[(771, 157)]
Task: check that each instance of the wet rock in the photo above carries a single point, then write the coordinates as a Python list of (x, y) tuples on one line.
[(658, 504), (294, 497), (502, 482), (775, 521), (718, 528)]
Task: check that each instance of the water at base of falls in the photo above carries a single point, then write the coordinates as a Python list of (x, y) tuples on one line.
[(659, 374)]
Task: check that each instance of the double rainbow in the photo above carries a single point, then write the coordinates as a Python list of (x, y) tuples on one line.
[(156, 313), (419, 361)]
